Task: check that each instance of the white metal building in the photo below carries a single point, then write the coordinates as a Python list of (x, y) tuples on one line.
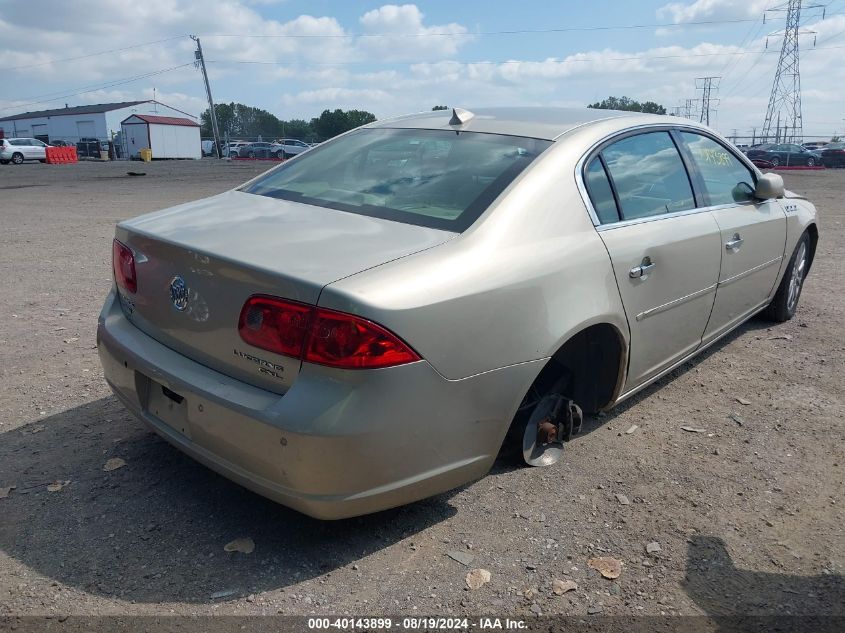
[(167, 137), (100, 121)]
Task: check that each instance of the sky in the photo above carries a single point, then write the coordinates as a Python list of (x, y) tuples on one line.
[(296, 58)]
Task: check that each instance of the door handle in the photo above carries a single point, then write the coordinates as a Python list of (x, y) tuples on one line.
[(734, 243), (642, 271)]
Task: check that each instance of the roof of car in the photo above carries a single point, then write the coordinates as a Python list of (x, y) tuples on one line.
[(538, 122)]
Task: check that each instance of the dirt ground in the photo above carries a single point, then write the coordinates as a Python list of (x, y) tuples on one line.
[(748, 515)]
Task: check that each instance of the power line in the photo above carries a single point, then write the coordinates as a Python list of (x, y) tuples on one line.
[(71, 59), (571, 29), (86, 89), (511, 61), (747, 40)]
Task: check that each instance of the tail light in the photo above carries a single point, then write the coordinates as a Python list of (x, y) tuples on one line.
[(275, 325), (320, 336), (338, 339), (123, 263)]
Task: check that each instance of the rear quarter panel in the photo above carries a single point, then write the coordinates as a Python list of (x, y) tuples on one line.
[(529, 274)]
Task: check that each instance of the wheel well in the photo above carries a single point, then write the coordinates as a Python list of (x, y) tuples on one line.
[(813, 232), (587, 366)]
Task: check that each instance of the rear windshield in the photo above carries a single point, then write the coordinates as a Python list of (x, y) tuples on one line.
[(434, 178)]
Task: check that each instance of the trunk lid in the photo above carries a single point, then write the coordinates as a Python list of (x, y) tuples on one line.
[(234, 245)]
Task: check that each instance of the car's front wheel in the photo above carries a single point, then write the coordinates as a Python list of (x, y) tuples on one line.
[(811, 162), (280, 154), (784, 305), (775, 161), (17, 158)]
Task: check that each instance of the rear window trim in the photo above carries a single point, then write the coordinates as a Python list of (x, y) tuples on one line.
[(467, 218)]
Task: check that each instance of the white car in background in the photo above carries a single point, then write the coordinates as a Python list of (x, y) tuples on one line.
[(17, 150), (292, 146)]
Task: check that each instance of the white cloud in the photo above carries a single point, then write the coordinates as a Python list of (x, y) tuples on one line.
[(408, 38), (712, 10)]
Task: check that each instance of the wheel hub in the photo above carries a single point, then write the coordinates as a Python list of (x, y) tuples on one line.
[(553, 421)]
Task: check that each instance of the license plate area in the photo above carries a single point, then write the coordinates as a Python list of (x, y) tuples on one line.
[(168, 406)]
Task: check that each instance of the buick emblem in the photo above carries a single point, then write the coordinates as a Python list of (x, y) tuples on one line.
[(179, 293)]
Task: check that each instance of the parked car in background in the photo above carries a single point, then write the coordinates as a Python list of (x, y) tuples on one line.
[(784, 154), (17, 150), (814, 145), (833, 155), (335, 334), (260, 149), (292, 147), (234, 147)]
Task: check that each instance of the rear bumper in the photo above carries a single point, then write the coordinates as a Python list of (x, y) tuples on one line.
[(338, 443)]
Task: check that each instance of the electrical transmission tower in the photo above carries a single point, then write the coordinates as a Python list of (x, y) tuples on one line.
[(687, 110), (707, 85), (785, 100)]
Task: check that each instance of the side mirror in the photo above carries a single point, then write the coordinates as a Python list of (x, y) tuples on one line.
[(769, 186), (742, 192)]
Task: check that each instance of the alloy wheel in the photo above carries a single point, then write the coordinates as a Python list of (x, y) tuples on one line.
[(799, 267)]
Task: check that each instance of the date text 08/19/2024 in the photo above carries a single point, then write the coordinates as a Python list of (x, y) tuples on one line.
[(416, 623)]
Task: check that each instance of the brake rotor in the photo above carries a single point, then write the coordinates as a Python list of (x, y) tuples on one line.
[(540, 444)]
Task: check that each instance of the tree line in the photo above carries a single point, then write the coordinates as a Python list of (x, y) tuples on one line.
[(237, 120)]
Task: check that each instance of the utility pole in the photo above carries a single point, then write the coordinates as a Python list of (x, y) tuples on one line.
[(707, 85), (201, 61), (786, 88)]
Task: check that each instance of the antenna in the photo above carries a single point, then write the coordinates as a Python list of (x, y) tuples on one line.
[(460, 116)]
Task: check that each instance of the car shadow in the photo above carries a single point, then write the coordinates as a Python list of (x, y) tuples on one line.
[(154, 530), (510, 458), (744, 600)]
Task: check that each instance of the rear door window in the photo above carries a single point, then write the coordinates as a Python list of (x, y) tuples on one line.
[(721, 171), (649, 176), (601, 193)]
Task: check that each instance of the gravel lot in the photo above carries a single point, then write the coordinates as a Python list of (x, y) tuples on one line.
[(748, 515)]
